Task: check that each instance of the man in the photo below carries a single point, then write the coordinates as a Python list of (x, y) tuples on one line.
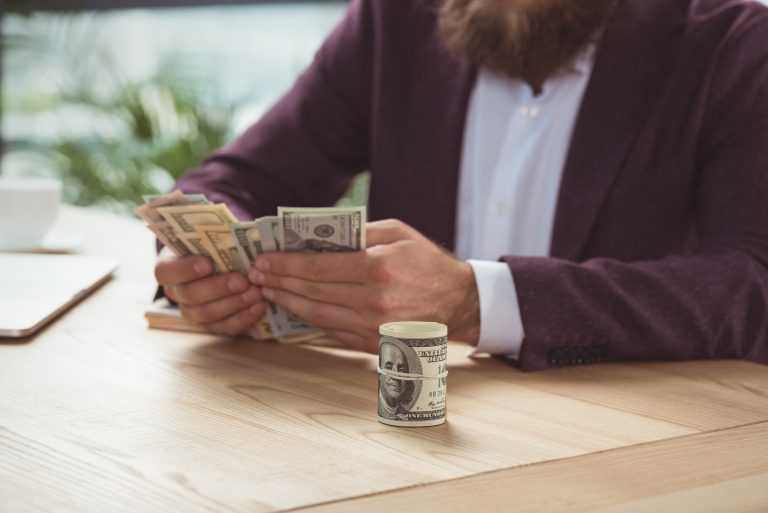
[(610, 155), (394, 392)]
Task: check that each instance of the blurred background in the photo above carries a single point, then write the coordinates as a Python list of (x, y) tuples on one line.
[(117, 99)]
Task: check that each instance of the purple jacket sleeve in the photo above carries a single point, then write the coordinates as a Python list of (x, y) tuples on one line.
[(307, 148), (711, 304)]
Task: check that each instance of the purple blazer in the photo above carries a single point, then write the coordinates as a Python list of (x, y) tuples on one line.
[(660, 243)]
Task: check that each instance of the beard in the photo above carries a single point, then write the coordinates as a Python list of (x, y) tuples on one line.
[(530, 40)]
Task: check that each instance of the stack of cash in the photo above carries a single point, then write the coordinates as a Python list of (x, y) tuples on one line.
[(189, 224)]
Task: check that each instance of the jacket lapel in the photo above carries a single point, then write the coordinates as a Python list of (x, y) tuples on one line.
[(439, 100), (628, 70)]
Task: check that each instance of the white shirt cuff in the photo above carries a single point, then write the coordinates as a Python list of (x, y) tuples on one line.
[(501, 327)]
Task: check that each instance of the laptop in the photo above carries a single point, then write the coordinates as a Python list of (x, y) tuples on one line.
[(35, 289)]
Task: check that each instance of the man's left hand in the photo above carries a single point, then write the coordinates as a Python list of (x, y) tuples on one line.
[(399, 276)]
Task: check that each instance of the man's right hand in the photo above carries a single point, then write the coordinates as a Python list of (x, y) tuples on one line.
[(225, 303)]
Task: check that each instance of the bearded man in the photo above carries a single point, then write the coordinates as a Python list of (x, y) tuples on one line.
[(574, 181)]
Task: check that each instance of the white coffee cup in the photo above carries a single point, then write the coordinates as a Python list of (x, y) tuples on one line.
[(28, 208)]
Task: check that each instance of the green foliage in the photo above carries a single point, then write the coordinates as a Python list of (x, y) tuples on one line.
[(357, 193), (141, 134)]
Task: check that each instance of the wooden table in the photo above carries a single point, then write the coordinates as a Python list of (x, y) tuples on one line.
[(99, 413)]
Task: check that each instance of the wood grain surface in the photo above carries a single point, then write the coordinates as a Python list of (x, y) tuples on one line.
[(98, 413), (720, 471)]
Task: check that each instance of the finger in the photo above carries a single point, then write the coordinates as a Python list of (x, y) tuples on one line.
[(209, 289), (172, 270), (354, 341), (324, 315), (335, 293), (387, 232), (220, 309), (321, 267), (237, 323)]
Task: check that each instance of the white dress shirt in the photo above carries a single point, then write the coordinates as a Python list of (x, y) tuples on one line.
[(515, 145)]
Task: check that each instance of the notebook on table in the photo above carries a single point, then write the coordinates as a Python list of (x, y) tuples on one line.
[(35, 289)]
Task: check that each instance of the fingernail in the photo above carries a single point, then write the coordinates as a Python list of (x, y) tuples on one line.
[(255, 309), (268, 293), (202, 267), (262, 264), (257, 277), (236, 285), (250, 296)]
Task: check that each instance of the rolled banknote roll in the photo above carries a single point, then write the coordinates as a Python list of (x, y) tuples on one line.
[(412, 373)]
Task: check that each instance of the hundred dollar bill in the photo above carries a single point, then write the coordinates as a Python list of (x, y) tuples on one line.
[(322, 229), (285, 326), (412, 373), (310, 230)]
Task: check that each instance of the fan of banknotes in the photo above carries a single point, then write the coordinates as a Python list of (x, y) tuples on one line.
[(189, 224)]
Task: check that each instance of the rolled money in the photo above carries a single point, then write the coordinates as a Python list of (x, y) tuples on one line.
[(412, 373)]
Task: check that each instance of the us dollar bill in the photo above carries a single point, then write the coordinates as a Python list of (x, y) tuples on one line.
[(309, 230), (248, 240), (167, 236), (220, 241), (222, 247), (321, 230), (183, 219), (149, 213), (412, 373), (269, 231), (284, 325), (232, 248), (191, 198), (189, 224), (159, 226)]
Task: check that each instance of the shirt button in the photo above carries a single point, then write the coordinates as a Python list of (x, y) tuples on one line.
[(502, 208), (529, 111)]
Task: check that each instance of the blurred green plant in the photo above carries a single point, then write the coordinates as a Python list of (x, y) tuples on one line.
[(142, 134)]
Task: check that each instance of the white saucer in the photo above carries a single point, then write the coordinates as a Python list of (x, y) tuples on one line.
[(55, 242)]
